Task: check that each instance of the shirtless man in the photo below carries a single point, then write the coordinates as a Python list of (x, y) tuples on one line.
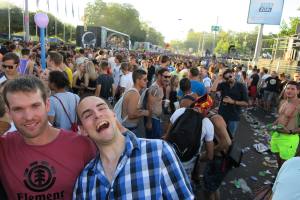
[(132, 107), (285, 138), (154, 104)]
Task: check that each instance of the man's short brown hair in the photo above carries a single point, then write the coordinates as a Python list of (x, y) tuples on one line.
[(24, 84), (56, 57), (11, 56)]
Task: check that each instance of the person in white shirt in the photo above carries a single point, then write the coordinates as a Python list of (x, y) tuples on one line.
[(287, 180), (207, 136), (116, 69), (205, 79), (126, 81)]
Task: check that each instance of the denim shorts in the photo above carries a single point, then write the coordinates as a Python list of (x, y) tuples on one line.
[(156, 131)]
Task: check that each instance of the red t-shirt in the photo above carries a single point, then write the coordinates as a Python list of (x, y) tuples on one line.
[(43, 172)]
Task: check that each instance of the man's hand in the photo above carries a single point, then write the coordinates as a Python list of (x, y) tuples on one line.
[(283, 130), (228, 99), (145, 113)]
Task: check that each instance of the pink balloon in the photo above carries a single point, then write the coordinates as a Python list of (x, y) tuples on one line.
[(41, 20)]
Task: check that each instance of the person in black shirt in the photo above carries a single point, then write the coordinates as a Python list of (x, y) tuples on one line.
[(283, 81), (254, 78), (151, 72), (233, 96), (105, 84), (271, 90)]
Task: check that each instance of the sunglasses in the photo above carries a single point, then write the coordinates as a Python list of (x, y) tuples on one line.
[(7, 66), (167, 76), (228, 77)]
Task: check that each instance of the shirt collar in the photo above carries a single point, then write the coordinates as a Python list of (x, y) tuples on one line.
[(131, 143)]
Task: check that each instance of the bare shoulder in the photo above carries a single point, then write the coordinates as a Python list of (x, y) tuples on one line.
[(132, 94)]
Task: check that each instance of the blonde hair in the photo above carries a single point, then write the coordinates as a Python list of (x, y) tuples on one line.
[(91, 71)]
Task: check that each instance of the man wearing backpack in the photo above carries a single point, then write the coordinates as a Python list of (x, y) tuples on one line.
[(196, 129), (63, 104), (132, 107)]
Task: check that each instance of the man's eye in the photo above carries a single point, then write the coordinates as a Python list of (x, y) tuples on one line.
[(102, 108), (17, 109), (87, 116)]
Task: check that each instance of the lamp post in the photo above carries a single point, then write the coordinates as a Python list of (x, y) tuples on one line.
[(26, 21), (42, 20)]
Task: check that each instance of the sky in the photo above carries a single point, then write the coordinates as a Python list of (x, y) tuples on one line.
[(173, 18)]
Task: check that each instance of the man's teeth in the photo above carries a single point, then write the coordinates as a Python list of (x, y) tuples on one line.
[(102, 124)]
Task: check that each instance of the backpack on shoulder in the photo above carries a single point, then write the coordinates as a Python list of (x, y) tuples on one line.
[(74, 125), (144, 98), (185, 134)]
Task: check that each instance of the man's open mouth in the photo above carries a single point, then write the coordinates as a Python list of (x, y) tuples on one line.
[(102, 125)]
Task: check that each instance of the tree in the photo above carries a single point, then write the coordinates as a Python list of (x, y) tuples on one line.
[(177, 46), (121, 17), (17, 22), (153, 36), (289, 29)]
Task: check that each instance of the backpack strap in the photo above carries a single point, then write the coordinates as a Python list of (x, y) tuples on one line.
[(129, 90), (64, 108)]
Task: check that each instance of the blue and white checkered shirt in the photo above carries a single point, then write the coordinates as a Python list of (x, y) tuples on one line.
[(148, 169)]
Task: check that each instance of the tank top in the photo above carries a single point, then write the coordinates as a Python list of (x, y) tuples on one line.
[(23, 67)]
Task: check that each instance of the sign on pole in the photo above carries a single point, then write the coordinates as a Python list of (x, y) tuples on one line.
[(215, 28), (265, 12)]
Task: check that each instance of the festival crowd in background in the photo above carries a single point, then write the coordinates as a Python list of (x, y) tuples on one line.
[(109, 124)]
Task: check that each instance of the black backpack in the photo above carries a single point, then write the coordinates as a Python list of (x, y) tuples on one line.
[(185, 134)]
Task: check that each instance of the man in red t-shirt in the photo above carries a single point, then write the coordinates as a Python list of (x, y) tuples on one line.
[(38, 161)]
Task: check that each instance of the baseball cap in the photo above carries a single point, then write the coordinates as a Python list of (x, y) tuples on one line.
[(203, 103)]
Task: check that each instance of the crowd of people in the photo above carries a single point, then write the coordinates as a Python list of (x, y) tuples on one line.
[(103, 124)]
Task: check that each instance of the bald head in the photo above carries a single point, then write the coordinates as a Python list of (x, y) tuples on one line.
[(86, 103)]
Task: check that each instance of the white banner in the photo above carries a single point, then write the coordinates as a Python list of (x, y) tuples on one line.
[(265, 12)]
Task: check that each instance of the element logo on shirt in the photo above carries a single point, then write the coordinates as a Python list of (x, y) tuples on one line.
[(39, 176)]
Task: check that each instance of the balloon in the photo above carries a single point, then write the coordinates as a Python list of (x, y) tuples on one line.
[(41, 20)]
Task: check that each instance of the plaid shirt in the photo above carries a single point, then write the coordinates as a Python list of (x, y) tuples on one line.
[(148, 169)]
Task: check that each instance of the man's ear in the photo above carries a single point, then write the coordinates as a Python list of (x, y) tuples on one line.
[(82, 131)]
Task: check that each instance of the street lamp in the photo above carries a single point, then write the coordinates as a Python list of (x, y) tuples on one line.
[(42, 20)]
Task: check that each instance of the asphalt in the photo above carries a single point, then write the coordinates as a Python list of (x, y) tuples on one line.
[(253, 167)]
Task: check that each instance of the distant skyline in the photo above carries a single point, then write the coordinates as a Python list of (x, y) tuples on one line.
[(174, 18)]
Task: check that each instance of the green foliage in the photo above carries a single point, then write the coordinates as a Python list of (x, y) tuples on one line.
[(244, 42), (17, 22), (16, 19), (153, 36), (194, 40), (289, 29), (121, 17)]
